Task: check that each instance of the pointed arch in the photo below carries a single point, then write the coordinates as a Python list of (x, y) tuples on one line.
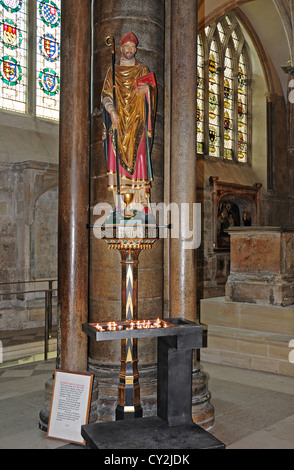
[(226, 104), (273, 84)]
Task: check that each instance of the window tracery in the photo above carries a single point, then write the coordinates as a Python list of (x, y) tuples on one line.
[(223, 82), (13, 58)]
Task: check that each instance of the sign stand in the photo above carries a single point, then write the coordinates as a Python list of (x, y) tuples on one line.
[(70, 406)]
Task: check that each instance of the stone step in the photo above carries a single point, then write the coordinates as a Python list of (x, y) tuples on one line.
[(248, 349), (29, 352), (248, 316), (23, 346), (247, 335)]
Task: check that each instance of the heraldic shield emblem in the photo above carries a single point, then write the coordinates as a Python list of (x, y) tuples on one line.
[(49, 82), (49, 48), (11, 5), (10, 71), (49, 13), (227, 121), (212, 135), (11, 36)]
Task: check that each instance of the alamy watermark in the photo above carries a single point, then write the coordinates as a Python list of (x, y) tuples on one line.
[(291, 93), (182, 221), (291, 354)]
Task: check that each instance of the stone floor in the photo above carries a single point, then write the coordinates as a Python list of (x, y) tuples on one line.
[(23, 346), (253, 410)]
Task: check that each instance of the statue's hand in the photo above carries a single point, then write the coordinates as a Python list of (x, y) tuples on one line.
[(114, 119), (142, 89)]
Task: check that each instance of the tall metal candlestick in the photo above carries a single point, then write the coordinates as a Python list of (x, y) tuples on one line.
[(129, 405)]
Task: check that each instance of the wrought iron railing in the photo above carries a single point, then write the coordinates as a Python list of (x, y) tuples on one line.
[(48, 297)]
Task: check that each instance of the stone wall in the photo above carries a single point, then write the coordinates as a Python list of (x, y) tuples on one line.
[(28, 227), (44, 236)]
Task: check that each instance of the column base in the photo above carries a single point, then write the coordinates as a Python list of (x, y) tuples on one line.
[(203, 412), (128, 412), (45, 411)]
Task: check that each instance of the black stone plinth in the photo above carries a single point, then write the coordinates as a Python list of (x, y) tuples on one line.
[(148, 433)]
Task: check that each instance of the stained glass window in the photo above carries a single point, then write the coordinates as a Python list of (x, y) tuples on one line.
[(222, 91), (235, 40), (48, 59), (221, 32), (214, 141), (228, 106), (30, 37), (13, 60), (227, 19), (200, 97), (242, 110)]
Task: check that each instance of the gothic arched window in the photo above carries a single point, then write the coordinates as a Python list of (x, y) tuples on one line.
[(222, 92), (30, 58)]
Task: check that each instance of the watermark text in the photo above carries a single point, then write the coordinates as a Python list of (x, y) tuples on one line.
[(181, 221), (291, 354)]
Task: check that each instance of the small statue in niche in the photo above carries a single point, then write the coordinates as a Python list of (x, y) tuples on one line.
[(228, 216), (129, 98), (247, 219)]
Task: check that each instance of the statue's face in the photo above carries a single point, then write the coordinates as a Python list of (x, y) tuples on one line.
[(129, 50)]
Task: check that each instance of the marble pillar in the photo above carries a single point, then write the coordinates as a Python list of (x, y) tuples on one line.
[(291, 149), (74, 150), (146, 21), (183, 150), (183, 166), (74, 147)]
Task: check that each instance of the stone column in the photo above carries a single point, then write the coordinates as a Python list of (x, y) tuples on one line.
[(291, 147), (183, 166), (183, 149), (146, 21), (74, 182)]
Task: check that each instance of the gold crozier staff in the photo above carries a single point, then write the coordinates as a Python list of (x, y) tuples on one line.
[(109, 41)]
